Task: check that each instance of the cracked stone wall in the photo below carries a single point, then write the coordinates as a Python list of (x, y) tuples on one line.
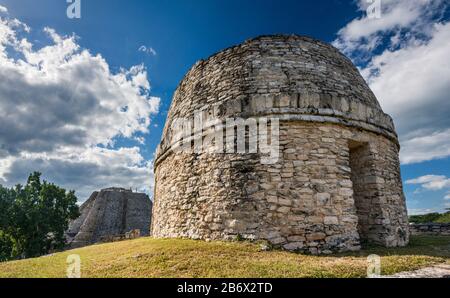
[(324, 194)]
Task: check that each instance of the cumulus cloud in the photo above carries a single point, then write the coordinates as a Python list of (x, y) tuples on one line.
[(3, 9), (425, 146), (88, 170), (400, 19), (62, 110), (404, 57), (447, 196), (147, 50), (431, 182)]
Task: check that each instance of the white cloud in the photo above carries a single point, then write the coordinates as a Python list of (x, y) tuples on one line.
[(425, 147), (431, 182), (413, 78), (147, 50), (62, 110), (87, 170), (3, 9), (398, 18), (420, 211), (412, 85), (411, 75), (447, 196)]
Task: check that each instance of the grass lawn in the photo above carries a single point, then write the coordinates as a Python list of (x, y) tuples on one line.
[(148, 257)]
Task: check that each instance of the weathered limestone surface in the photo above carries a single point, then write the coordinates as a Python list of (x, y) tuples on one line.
[(337, 182), (110, 213)]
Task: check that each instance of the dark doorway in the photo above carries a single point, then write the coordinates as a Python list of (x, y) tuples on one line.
[(365, 190)]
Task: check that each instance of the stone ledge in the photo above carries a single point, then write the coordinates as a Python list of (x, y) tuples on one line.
[(163, 152)]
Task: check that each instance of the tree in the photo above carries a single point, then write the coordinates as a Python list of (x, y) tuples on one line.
[(6, 223), (34, 217), (430, 218)]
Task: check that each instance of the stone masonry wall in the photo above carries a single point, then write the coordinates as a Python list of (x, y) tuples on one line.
[(310, 200), (305, 202), (289, 76), (109, 213), (430, 229)]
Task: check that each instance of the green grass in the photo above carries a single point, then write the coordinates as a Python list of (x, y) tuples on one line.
[(444, 218), (148, 257)]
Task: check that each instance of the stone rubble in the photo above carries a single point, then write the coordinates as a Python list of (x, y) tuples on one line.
[(430, 229)]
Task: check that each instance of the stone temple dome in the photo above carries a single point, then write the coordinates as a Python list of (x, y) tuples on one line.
[(333, 182)]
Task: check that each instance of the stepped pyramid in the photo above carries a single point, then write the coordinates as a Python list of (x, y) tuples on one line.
[(112, 212)]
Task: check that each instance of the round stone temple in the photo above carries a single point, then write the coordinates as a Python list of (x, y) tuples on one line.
[(279, 139)]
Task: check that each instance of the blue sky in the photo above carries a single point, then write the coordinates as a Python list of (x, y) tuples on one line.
[(182, 32)]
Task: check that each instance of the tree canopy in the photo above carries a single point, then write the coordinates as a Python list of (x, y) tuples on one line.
[(430, 218), (34, 217)]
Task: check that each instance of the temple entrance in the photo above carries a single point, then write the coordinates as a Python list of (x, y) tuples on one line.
[(364, 190)]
